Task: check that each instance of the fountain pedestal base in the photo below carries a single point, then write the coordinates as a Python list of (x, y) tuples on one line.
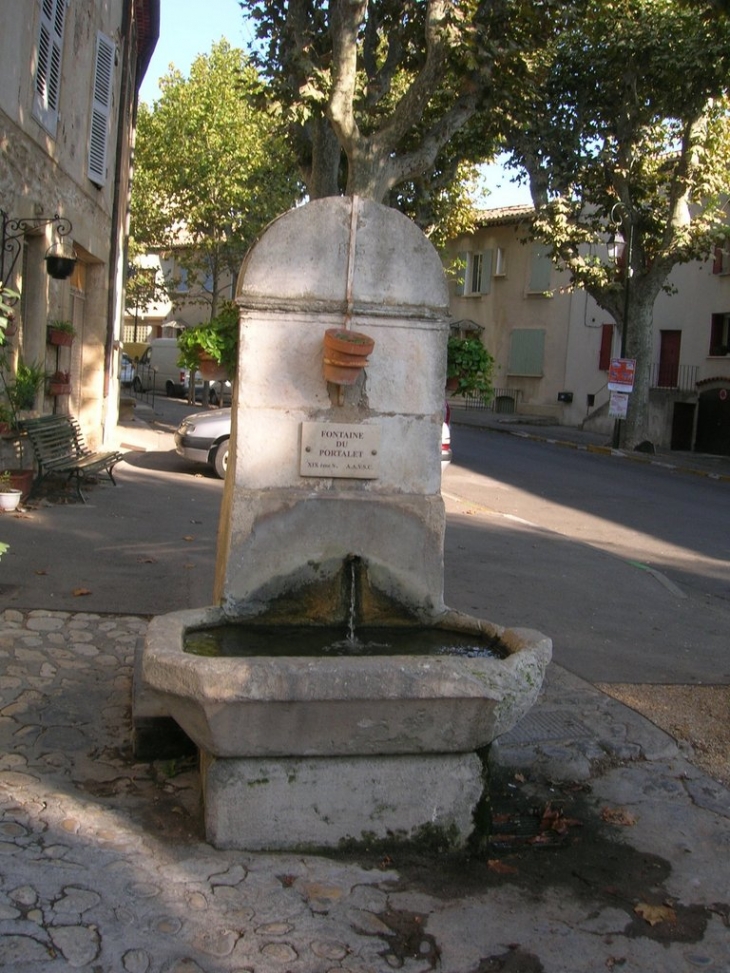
[(260, 804)]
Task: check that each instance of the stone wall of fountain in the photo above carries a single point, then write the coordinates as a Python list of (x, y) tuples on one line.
[(302, 752)]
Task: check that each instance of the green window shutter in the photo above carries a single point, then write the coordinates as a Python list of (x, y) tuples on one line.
[(527, 350), (540, 269)]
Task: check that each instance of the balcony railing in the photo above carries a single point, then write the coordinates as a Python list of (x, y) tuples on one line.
[(679, 378), (499, 400)]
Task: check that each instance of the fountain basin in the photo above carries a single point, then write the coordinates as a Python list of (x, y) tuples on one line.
[(301, 706), (304, 753)]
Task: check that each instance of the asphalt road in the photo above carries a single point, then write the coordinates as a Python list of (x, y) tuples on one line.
[(624, 566)]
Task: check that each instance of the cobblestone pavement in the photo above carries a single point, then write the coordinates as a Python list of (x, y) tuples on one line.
[(103, 866)]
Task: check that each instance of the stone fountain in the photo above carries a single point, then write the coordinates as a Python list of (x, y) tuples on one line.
[(332, 516)]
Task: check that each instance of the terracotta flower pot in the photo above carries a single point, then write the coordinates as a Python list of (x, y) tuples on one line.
[(22, 480), (345, 355), (210, 369), (56, 337)]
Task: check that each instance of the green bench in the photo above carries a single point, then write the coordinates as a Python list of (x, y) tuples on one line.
[(59, 447)]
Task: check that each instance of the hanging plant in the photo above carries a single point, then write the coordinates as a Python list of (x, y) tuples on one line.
[(60, 333), (212, 348)]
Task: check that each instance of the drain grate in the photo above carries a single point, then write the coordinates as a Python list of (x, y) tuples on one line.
[(539, 727)]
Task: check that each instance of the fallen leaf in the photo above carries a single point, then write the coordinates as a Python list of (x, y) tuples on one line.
[(618, 815), (500, 867), (654, 914), (520, 778), (147, 560), (77, 592), (188, 537), (40, 571)]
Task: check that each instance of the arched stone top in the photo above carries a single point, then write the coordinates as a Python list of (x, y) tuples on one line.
[(344, 251)]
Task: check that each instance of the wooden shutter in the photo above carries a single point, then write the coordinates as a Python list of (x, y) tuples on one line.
[(540, 270), (47, 83), (526, 353), (604, 356), (101, 106)]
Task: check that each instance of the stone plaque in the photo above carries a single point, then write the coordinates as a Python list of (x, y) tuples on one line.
[(340, 449)]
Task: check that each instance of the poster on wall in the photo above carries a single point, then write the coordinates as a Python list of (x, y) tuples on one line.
[(618, 405), (621, 375)]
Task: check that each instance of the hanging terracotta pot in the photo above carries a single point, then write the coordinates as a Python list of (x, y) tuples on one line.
[(210, 369), (345, 355), (55, 336)]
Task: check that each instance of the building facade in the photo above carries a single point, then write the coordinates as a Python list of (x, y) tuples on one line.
[(553, 346), (70, 71)]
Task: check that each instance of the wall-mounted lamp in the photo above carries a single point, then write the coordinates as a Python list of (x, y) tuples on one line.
[(60, 258)]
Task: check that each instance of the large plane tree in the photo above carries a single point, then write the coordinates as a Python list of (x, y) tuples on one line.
[(626, 131)]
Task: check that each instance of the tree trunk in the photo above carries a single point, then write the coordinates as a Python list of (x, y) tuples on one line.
[(639, 345), (322, 178)]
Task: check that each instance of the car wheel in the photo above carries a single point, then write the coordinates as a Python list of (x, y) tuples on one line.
[(170, 390), (137, 384), (213, 397), (220, 460)]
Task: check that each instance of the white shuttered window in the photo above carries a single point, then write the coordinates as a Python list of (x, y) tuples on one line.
[(100, 109), (47, 81)]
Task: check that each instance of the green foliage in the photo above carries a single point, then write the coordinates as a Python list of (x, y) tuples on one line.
[(626, 127), (210, 171), (218, 338), (386, 99), (469, 361)]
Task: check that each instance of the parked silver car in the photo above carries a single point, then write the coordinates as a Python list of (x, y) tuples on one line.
[(203, 438)]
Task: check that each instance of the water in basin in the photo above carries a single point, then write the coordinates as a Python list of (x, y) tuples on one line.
[(310, 640)]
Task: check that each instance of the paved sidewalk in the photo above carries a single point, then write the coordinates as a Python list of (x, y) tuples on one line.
[(611, 851)]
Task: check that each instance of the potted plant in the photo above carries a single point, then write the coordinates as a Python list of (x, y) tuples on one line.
[(10, 495), (60, 333), (345, 354), (212, 348), (59, 383), (468, 366)]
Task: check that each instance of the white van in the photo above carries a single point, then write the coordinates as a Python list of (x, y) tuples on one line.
[(158, 369)]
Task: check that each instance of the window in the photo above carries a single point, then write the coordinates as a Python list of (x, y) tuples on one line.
[(721, 263), (540, 270), (606, 353), (720, 334), (102, 100), (181, 280), (526, 352), (500, 262), (47, 80), (475, 272)]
